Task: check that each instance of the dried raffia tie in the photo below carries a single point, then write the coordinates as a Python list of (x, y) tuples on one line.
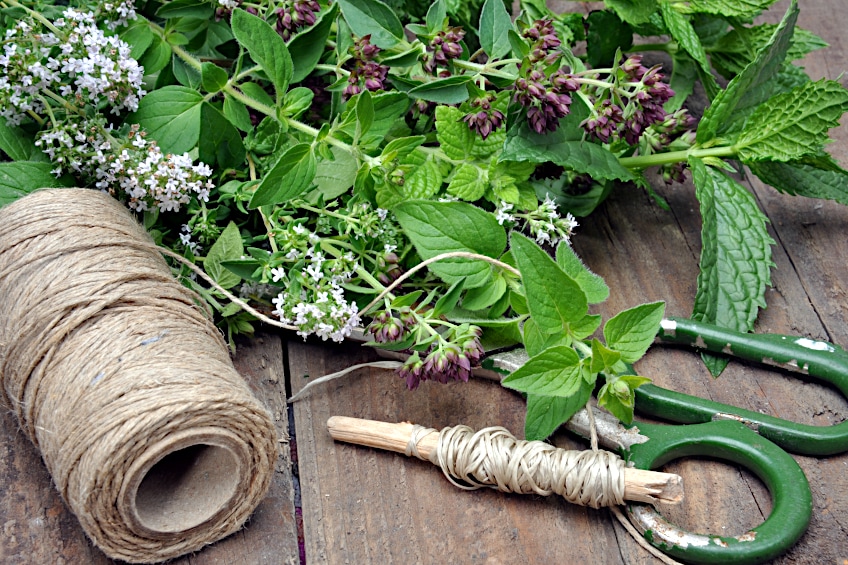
[(122, 382)]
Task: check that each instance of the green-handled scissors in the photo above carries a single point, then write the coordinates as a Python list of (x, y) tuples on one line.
[(752, 440)]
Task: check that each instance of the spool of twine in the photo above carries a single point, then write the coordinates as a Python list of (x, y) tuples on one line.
[(126, 388)]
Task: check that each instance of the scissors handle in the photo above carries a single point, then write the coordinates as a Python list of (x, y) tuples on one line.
[(816, 360), (730, 441)]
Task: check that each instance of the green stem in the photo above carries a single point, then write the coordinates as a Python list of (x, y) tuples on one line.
[(645, 161), (326, 212), (483, 69), (333, 68)]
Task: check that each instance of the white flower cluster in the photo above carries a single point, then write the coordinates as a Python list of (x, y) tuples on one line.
[(229, 4), (315, 302), (545, 222), (81, 64), (117, 14), (136, 166)]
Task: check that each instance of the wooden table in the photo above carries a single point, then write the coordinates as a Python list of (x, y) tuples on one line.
[(361, 506)]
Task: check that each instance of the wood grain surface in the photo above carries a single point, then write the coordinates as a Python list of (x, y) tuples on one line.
[(361, 506)]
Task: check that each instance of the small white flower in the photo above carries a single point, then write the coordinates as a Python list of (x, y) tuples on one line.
[(278, 274)]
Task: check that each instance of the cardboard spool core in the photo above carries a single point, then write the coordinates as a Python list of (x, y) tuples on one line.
[(191, 481)]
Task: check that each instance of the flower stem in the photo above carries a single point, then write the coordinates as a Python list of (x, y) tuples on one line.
[(645, 161)]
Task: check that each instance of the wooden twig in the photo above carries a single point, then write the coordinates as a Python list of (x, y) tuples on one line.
[(639, 485)]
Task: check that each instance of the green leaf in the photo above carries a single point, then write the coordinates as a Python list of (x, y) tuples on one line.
[(186, 8), (16, 143), (213, 78), (455, 137), (578, 156), (553, 372), (592, 285), (292, 174), (450, 90), (683, 33), (585, 327), (736, 252), (256, 92), (172, 116), (535, 341), (265, 46), (606, 36), (468, 182), (684, 74), (375, 18), (547, 413), (495, 24), (804, 178), (22, 177), (435, 17), (441, 227), (425, 181), (307, 47), (244, 268), (758, 72), (603, 358), (484, 296), (401, 147), (220, 142), (156, 57), (185, 74), (138, 36), (745, 9), (634, 12), (631, 332), (735, 50), (296, 101), (228, 247), (389, 107), (555, 300), (334, 177), (448, 300), (793, 124)]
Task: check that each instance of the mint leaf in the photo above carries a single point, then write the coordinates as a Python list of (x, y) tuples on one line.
[(736, 49), (758, 72), (16, 143), (156, 57), (468, 182), (631, 332), (617, 396), (803, 178), (535, 341), (736, 254), (292, 174), (22, 177), (792, 124), (592, 285), (578, 156), (683, 33), (684, 74), (553, 372), (212, 77), (375, 18), (435, 17), (220, 142), (265, 46), (745, 9), (495, 24), (441, 227), (633, 11), (449, 90), (547, 413), (307, 47), (607, 35), (424, 181), (555, 300), (455, 137), (172, 116), (334, 177), (388, 108), (603, 358), (788, 77), (228, 247), (486, 295)]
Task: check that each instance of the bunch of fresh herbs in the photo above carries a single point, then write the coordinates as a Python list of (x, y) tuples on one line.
[(341, 168)]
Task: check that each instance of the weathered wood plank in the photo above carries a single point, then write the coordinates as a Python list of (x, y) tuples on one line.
[(38, 528), (365, 506)]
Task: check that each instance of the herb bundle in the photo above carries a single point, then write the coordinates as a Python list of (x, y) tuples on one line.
[(340, 168)]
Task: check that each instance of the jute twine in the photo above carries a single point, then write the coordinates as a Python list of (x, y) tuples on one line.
[(126, 388), (493, 457)]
